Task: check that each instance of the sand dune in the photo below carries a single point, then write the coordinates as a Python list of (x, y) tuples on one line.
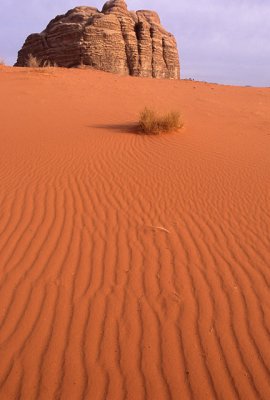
[(132, 267)]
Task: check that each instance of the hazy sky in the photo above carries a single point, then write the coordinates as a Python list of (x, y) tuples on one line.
[(225, 41)]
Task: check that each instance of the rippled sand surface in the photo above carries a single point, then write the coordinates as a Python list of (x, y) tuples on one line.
[(132, 268)]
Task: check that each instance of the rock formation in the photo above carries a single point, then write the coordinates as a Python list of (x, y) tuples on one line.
[(113, 40)]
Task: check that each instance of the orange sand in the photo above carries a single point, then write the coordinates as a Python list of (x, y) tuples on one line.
[(132, 267)]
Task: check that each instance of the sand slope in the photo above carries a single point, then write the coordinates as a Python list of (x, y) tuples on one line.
[(132, 267)]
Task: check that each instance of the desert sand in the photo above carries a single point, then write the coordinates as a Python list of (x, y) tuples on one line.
[(132, 267)]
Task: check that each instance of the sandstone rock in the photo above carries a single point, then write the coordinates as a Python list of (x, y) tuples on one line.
[(113, 40)]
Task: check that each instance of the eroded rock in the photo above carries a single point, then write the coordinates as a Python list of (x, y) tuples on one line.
[(113, 40)]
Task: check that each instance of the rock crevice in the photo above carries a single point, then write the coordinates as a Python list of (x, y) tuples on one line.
[(114, 40)]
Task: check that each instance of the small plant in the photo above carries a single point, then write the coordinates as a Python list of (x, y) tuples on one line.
[(83, 66), (49, 64), (40, 66), (33, 62), (2, 62), (151, 123)]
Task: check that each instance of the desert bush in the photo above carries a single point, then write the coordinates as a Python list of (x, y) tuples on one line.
[(151, 123), (83, 66), (40, 66), (33, 62), (2, 62), (49, 64)]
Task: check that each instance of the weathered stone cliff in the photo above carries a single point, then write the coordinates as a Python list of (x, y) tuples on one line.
[(113, 40)]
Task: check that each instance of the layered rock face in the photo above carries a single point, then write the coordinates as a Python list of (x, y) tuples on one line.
[(113, 40)]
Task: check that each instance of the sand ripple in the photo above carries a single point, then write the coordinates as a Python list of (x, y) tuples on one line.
[(132, 268)]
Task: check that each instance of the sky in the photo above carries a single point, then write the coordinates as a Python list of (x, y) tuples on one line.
[(222, 41)]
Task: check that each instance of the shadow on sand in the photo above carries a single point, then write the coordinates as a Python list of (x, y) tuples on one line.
[(120, 128)]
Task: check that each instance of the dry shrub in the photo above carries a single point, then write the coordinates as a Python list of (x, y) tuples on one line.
[(40, 66), (49, 64), (151, 123), (2, 62), (84, 66), (33, 62)]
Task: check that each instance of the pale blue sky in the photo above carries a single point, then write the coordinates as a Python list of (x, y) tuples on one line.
[(225, 41)]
